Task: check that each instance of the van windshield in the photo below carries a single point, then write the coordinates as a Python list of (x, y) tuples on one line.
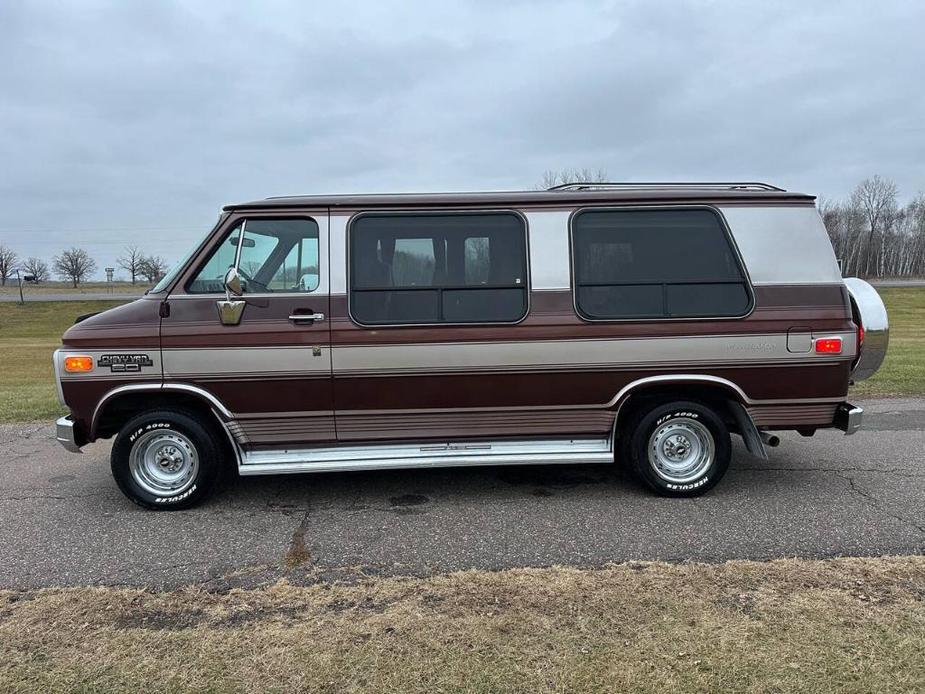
[(166, 280)]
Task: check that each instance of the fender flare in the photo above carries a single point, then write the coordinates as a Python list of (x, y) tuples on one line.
[(215, 405), (737, 400), (641, 383)]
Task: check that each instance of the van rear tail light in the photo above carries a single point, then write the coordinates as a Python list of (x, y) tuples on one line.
[(828, 345), (78, 364)]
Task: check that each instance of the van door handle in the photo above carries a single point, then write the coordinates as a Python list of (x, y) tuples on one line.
[(306, 317)]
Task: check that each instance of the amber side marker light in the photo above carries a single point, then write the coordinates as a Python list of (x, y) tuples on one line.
[(78, 364), (829, 345)]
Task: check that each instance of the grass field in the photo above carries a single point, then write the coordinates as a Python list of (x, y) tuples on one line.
[(844, 625), (29, 334), (903, 371)]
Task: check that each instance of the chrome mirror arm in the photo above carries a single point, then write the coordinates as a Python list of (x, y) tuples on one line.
[(237, 252)]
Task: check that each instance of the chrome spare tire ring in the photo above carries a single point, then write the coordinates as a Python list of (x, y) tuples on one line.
[(681, 449), (163, 462)]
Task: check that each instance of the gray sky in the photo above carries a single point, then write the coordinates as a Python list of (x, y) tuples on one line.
[(135, 121)]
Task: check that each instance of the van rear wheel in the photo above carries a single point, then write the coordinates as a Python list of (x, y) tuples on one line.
[(166, 460), (679, 448)]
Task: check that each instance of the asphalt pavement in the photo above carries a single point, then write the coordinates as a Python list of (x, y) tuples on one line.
[(68, 296), (65, 523)]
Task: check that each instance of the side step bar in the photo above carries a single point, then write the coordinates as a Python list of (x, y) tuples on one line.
[(427, 455)]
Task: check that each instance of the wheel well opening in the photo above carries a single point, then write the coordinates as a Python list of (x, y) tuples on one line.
[(715, 396), (118, 411)]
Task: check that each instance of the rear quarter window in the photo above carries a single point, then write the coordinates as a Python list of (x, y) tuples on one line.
[(651, 264)]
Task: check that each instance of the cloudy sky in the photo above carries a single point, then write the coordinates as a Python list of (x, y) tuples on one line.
[(134, 122)]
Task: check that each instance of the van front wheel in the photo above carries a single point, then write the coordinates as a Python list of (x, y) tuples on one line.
[(165, 460), (680, 448)]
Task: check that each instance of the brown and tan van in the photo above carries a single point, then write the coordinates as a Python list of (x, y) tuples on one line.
[(587, 323)]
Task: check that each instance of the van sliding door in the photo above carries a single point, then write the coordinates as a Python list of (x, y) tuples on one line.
[(431, 336)]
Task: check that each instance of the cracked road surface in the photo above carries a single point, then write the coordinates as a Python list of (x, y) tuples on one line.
[(65, 523)]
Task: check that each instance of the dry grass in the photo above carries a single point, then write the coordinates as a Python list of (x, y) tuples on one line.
[(850, 625)]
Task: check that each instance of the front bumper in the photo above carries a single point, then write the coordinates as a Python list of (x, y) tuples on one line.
[(64, 432), (848, 418)]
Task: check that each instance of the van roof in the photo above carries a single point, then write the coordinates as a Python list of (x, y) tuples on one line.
[(568, 194)]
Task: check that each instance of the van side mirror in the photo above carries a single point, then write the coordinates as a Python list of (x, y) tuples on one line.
[(232, 282), (229, 310)]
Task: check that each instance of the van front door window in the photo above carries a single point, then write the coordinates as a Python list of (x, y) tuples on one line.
[(277, 255)]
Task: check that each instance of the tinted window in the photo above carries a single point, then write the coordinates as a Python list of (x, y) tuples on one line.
[(278, 255), (655, 264), (452, 268)]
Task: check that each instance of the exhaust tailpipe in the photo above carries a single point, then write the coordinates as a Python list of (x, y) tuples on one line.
[(769, 439)]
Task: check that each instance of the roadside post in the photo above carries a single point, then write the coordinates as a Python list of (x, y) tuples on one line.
[(20, 279)]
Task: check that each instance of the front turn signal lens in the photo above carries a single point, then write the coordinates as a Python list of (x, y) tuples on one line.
[(78, 364), (828, 345)]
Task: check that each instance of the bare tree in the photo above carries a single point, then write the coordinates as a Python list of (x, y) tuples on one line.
[(152, 268), (553, 177), (251, 267), (873, 235), (131, 261), (74, 264), (876, 197), (37, 268), (8, 260)]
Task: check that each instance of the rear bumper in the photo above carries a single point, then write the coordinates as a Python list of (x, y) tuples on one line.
[(848, 418), (66, 434)]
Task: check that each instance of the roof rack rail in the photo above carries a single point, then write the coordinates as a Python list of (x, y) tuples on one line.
[(700, 185)]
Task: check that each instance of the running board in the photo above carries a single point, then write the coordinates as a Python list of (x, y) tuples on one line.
[(429, 455)]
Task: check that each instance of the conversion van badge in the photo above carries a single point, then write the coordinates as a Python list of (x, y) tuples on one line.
[(124, 362)]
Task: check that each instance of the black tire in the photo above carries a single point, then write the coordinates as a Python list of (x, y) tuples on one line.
[(668, 428), (172, 439)]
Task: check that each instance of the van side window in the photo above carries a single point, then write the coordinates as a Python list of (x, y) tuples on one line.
[(279, 255), (438, 268), (655, 264)]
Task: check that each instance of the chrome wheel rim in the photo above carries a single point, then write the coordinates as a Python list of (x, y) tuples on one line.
[(164, 463), (681, 450)]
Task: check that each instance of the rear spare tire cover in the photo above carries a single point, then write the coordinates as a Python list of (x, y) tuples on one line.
[(867, 304)]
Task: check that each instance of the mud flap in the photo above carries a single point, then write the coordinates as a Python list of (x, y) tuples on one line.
[(748, 430)]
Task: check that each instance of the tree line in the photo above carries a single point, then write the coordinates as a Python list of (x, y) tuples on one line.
[(873, 235), (75, 265)]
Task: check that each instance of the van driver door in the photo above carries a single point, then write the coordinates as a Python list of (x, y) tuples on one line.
[(267, 362)]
